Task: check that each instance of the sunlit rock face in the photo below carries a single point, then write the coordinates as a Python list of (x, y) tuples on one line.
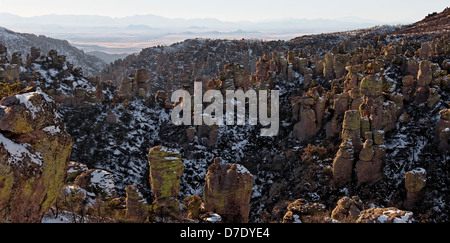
[(34, 152)]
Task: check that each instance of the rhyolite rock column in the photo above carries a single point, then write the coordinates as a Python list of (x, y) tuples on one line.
[(369, 168), (415, 182), (141, 78), (424, 78), (136, 209), (228, 190), (351, 128), (328, 66), (234, 76), (443, 130), (372, 107), (166, 169), (307, 127), (126, 88), (407, 90), (343, 163)]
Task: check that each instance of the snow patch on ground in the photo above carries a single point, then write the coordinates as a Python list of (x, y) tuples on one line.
[(18, 152)]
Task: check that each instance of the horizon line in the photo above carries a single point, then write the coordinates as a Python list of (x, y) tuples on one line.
[(371, 21)]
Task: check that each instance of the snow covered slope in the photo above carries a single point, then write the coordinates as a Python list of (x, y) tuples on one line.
[(18, 42)]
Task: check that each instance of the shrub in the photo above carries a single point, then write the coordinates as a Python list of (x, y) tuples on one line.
[(312, 153), (7, 89)]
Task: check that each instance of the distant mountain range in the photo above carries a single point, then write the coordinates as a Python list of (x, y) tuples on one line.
[(132, 34)]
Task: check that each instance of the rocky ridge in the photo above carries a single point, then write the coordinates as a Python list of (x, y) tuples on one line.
[(22, 42), (374, 103)]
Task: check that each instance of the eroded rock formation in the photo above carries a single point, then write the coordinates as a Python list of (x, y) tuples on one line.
[(34, 152), (228, 191), (385, 215), (348, 209), (166, 169)]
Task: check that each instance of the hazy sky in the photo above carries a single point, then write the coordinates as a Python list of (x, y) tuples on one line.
[(233, 10)]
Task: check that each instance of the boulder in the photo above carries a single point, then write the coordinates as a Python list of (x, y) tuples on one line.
[(12, 72), (378, 137), (365, 126), (348, 209), (126, 88), (389, 116), (385, 215), (333, 128), (110, 117), (300, 210), (372, 108), (352, 120), (99, 182), (367, 152), (74, 169)]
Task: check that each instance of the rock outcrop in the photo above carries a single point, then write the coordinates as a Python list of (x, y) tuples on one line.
[(443, 130), (166, 169), (348, 209), (228, 191), (424, 78), (74, 169), (372, 106), (369, 168), (307, 127), (301, 210), (99, 182), (134, 86), (343, 163), (351, 129), (385, 215), (34, 152), (234, 76), (415, 182), (136, 206)]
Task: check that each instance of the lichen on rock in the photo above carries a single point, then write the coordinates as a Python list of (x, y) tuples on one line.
[(228, 191), (32, 158)]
